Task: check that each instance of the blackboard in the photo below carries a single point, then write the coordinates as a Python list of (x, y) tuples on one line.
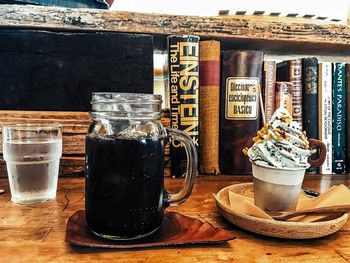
[(43, 70)]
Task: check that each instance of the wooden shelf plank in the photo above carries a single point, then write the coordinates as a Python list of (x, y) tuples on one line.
[(72, 122), (278, 33)]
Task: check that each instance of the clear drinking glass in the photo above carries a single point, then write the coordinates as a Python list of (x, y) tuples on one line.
[(32, 153)]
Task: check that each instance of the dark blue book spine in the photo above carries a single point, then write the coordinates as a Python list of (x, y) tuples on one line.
[(347, 114), (310, 101), (339, 104)]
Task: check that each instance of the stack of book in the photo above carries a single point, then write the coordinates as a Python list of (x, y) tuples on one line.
[(314, 92), (316, 99)]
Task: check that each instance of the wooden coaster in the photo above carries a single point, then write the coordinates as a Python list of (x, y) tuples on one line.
[(272, 228)]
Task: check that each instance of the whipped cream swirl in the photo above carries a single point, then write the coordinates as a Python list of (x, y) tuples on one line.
[(280, 143)]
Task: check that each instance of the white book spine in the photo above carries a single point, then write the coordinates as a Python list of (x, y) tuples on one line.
[(325, 113)]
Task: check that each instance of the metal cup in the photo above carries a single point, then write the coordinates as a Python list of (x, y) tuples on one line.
[(277, 189)]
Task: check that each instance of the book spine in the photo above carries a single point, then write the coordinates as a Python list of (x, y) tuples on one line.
[(291, 71), (184, 84), (269, 77), (296, 79), (284, 95), (338, 162), (310, 101), (325, 113), (347, 120), (239, 108), (209, 99)]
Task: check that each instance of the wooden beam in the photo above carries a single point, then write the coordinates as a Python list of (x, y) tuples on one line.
[(233, 27), (75, 126), (72, 122)]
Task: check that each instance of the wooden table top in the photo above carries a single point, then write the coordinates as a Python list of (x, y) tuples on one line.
[(37, 233)]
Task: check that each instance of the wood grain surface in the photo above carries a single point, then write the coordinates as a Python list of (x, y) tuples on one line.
[(36, 233), (72, 122), (75, 126), (244, 31)]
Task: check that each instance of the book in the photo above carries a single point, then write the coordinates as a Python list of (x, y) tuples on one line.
[(240, 114), (325, 113), (347, 110), (209, 99), (291, 71), (339, 104), (184, 84), (284, 96), (269, 81), (310, 101)]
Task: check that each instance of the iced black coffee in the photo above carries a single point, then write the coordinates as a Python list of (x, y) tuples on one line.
[(125, 197)]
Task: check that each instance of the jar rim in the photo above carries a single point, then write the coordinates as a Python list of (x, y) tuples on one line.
[(136, 106), (116, 97)]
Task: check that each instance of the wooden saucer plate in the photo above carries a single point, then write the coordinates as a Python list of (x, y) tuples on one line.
[(272, 228)]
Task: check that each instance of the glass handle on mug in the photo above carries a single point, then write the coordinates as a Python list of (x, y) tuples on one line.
[(191, 170)]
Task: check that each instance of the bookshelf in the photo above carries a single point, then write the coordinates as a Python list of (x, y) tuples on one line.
[(279, 38)]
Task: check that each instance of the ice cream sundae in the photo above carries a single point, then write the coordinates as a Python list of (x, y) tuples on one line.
[(280, 143), (279, 158)]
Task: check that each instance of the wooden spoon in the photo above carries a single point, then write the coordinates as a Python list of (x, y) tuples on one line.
[(284, 215)]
